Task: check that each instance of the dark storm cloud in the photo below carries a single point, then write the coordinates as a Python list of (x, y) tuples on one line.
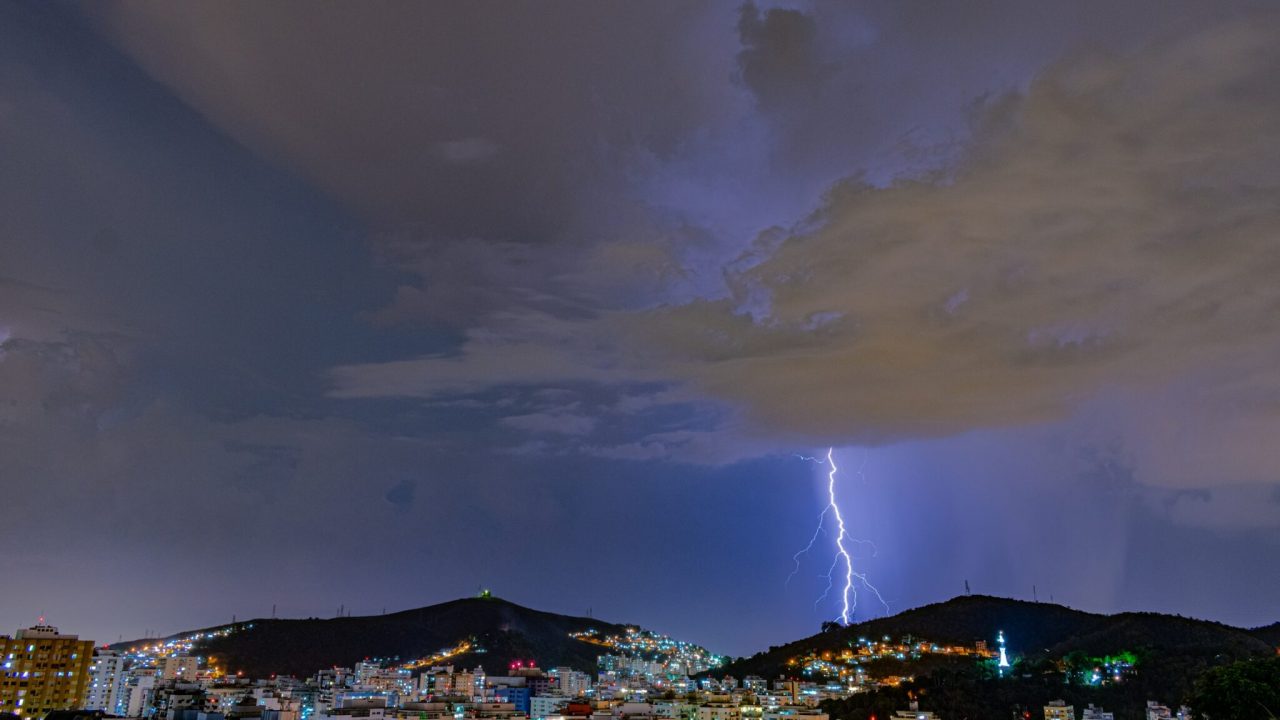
[(169, 306), (835, 92), (779, 60), (269, 262), (1082, 241), (493, 120)]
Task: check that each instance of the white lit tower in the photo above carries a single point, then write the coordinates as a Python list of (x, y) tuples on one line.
[(1004, 658)]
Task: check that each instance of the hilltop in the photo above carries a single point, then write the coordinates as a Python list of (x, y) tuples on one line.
[(499, 631), (1033, 629), (1269, 634)]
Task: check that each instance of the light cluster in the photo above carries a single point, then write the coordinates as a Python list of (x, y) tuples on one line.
[(674, 656), (847, 663), (148, 655)]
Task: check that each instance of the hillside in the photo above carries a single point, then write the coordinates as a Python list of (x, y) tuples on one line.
[(1167, 634), (1269, 634), (1041, 630), (502, 632)]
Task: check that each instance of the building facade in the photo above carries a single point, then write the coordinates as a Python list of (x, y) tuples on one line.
[(42, 670), (177, 667), (106, 681), (1059, 710)]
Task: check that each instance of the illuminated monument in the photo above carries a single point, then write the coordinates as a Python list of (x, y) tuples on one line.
[(1004, 659)]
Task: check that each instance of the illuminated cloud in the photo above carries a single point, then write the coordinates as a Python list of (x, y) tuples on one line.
[(1114, 226), (1082, 244), (291, 271)]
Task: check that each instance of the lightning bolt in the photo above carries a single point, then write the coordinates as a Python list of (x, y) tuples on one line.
[(816, 532), (822, 516), (849, 591)]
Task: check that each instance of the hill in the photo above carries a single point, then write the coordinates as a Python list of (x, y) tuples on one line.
[(1116, 661), (1269, 634), (1163, 634), (1038, 630), (500, 632)]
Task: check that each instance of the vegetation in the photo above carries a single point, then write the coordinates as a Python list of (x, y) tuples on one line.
[(1118, 662), (974, 693), (1245, 690)]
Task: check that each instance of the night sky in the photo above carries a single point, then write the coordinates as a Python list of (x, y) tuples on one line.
[(374, 304)]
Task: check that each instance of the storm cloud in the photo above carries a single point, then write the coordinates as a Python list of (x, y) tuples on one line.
[(438, 279)]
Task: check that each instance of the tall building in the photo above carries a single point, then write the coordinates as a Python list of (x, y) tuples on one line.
[(135, 696), (106, 681), (42, 670), (572, 682)]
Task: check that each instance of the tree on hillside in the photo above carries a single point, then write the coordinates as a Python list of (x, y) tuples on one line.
[(1245, 690)]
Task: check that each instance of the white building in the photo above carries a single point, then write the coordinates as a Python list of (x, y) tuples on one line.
[(719, 711), (1156, 711), (497, 710), (675, 710), (135, 695), (572, 682), (361, 709), (361, 713), (469, 684), (792, 712), (633, 710), (366, 670), (222, 697), (422, 711), (544, 706), (106, 681), (277, 707), (1096, 713)]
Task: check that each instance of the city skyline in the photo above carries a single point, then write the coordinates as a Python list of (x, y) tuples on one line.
[(374, 306), (952, 659)]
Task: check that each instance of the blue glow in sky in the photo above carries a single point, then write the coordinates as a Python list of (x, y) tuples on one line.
[(467, 295)]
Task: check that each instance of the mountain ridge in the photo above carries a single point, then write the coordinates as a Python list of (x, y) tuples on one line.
[(1268, 633), (1033, 629), (500, 632)]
